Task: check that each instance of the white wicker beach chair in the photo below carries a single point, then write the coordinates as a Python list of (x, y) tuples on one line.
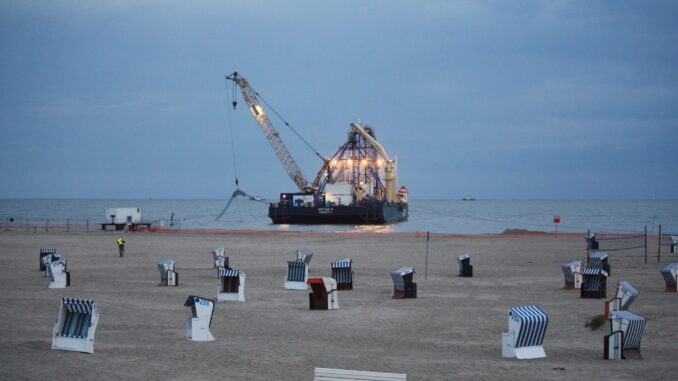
[(198, 322), (670, 275), (323, 294), (623, 297), (58, 274), (626, 330), (231, 285), (76, 325), (342, 272), (573, 274), (526, 330), (297, 275), (168, 277)]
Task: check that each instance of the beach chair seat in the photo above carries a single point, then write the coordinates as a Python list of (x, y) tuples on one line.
[(43, 253), (60, 278), (76, 325), (626, 330), (49, 258), (598, 259), (674, 244), (526, 330), (342, 272), (624, 295), (329, 374), (323, 294), (305, 255), (594, 283), (573, 274), (297, 275), (231, 285), (465, 267), (403, 286), (219, 257), (168, 277), (670, 275), (200, 318)]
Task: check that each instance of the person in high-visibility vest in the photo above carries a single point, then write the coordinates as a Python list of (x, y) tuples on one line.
[(121, 245)]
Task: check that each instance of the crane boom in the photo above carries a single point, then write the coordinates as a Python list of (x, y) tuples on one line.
[(271, 133)]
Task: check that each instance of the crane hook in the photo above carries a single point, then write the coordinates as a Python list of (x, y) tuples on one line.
[(234, 103)]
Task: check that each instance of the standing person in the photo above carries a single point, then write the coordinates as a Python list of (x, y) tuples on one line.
[(121, 245)]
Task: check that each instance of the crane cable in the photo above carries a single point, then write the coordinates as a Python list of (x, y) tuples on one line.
[(287, 124), (230, 128)]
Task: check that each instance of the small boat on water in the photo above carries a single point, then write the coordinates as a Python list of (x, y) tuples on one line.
[(468, 198)]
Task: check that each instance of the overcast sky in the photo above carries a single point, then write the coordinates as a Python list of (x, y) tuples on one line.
[(496, 99)]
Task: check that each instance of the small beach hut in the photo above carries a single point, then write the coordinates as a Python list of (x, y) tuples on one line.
[(60, 278), (670, 274), (200, 318), (403, 286), (323, 294), (43, 253), (231, 285), (168, 277), (297, 275), (342, 272), (598, 259), (219, 257), (626, 330), (624, 295), (526, 330), (573, 274), (465, 267), (76, 325), (594, 283), (305, 255)]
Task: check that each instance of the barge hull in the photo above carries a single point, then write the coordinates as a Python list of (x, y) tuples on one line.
[(338, 215)]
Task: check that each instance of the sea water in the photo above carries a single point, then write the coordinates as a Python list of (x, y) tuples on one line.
[(435, 216)]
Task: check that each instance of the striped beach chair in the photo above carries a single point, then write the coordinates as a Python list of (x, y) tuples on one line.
[(76, 325), (342, 272), (623, 297), (465, 267), (526, 330), (60, 278), (323, 294), (49, 258), (626, 330), (598, 259), (231, 285), (305, 255), (219, 257), (674, 244), (670, 275), (44, 252), (168, 277), (297, 275), (594, 283), (403, 286), (200, 318), (573, 274), (329, 374)]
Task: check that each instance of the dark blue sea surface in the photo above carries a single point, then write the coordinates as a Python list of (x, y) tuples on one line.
[(436, 216)]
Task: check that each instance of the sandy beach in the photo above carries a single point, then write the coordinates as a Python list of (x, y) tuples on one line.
[(451, 331)]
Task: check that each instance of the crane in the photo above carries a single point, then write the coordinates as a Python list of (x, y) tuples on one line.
[(271, 133), (389, 168)]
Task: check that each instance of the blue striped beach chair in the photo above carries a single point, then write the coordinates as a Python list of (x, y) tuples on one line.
[(465, 267), (76, 325), (231, 285), (573, 274), (305, 255), (674, 244), (168, 277), (670, 275), (297, 275), (403, 286), (200, 318), (598, 259), (44, 252), (626, 330), (623, 297), (49, 258), (323, 294), (594, 283), (342, 272), (219, 257), (526, 330), (60, 278)]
